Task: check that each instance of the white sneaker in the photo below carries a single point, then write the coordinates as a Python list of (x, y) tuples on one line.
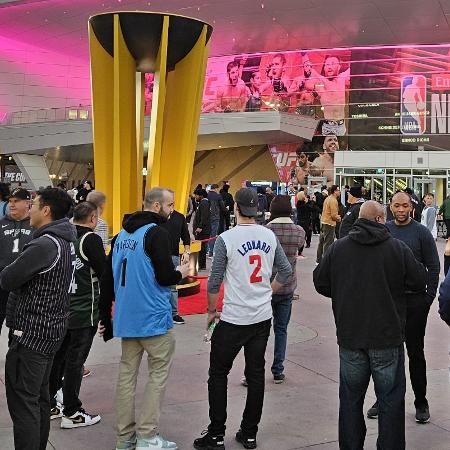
[(59, 397), (57, 411), (80, 419), (156, 442)]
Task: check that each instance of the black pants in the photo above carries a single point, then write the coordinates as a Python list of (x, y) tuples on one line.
[(447, 226), (26, 377), (68, 363), (202, 252), (416, 322), (316, 225), (307, 226), (3, 302), (227, 340)]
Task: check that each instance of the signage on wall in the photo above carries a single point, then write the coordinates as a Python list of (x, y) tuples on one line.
[(13, 175), (413, 107)]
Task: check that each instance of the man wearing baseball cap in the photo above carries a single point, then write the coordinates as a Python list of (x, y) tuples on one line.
[(243, 259), (355, 201), (15, 232)]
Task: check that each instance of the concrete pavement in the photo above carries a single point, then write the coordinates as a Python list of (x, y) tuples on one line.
[(301, 413)]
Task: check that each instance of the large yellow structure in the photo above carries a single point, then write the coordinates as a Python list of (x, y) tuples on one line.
[(123, 47)]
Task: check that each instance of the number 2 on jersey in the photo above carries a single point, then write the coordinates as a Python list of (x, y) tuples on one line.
[(255, 277)]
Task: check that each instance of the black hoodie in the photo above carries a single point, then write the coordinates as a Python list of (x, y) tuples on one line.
[(367, 275), (158, 249)]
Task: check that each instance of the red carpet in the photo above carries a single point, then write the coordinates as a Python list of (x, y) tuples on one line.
[(197, 304)]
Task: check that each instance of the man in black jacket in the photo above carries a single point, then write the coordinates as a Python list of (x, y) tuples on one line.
[(178, 230), (367, 274), (420, 240), (355, 200), (202, 224), (82, 324), (228, 201), (217, 213), (37, 313), (15, 232)]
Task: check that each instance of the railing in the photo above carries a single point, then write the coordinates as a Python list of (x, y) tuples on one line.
[(84, 112), (81, 112)]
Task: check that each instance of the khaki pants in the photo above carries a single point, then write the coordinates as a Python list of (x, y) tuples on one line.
[(326, 238), (159, 351)]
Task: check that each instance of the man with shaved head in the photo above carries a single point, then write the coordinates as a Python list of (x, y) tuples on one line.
[(367, 274), (420, 240)]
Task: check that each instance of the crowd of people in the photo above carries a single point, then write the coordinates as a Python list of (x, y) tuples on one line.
[(58, 288)]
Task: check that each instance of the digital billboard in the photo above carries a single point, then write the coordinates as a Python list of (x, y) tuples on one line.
[(377, 98)]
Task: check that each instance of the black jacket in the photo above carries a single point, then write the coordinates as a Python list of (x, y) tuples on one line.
[(304, 213), (178, 229), (202, 219), (14, 234), (40, 281), (367, 274), (350, 217), (217, 206), (158, 249)]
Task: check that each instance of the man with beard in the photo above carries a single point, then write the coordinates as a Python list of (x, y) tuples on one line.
[(253, 92), (331, 85), (304, 88), (367, 275), (323, 165), (419, 239), (15, 232), (138, 277), (233, 95), (275, 91)]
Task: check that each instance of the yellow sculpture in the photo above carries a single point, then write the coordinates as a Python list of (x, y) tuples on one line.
[(123, 47)]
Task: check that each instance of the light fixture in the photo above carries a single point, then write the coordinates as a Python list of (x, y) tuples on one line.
[(262, 5)]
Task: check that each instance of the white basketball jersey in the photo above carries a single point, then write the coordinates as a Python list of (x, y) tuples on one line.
[(250, 256)]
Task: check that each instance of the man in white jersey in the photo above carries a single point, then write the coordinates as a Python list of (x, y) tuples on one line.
[(243, 259)]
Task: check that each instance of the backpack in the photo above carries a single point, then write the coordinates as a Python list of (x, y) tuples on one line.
[(262, 205)]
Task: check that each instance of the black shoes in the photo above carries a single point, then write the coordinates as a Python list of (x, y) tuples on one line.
[(178, 320), (422, 414), (279, 378), (247, 442), (209, 442), (372, 413)]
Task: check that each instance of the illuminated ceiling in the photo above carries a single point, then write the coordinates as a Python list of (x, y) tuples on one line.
[(241, 26)]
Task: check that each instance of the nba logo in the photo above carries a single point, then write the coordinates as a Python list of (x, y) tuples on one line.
[(413, 104)]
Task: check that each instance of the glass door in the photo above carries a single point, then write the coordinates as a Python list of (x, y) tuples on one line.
[(423, 186), (378, 189), (401, 182)]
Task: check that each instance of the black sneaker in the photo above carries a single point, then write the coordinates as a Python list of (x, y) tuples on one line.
[(247, 442), (372, 413), (422, 414), (56, 412), (278, 379), (80, 419), (209, 442), (178, 320)]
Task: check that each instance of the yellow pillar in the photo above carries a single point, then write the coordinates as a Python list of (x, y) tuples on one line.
[(181, 121), (175, 48), (102, 85)]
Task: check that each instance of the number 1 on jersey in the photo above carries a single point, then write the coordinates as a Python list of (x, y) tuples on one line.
[(255, 277)]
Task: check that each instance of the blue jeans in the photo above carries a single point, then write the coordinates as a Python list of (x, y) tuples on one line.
[(173, 289), (387, 367), (281, 308), (214, 229)]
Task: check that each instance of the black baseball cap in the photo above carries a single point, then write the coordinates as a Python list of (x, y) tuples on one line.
[(21, 194), (247, 199)]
